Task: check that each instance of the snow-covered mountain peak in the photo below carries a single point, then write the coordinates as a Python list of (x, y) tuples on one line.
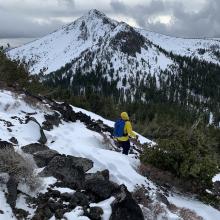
[(96, 13), (101, 39)]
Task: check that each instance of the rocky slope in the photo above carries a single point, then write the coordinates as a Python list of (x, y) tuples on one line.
[(67, 166)]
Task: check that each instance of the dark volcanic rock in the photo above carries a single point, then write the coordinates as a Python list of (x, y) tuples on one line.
[(51, 120), (43, 212), (66, 111), (216, 188), (54, 193), (95, 213), (66, 196), (64, 169), (103, 175), (99, 187), (54, 205), (86, 164), (125, 207), (42, 158), (81, 199), (21, 213), (128, 41), (33, 148), (12, 186), (13, 140)]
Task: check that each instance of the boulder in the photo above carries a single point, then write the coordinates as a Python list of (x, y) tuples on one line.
[(95, 213), (98, 186), (13, 140), (33, 148), (86, 164), (104, 175), (51, 120), (124, 207), (42, 158), (63, 168)]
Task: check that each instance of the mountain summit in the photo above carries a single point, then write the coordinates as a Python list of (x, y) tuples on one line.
[(95, 32)]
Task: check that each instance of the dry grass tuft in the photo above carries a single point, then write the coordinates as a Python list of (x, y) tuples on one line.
[(20, 166)]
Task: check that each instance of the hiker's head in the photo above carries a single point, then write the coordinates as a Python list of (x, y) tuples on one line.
[(124, 116)]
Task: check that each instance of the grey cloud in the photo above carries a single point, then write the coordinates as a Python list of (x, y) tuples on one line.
[(67, 3), (22, 22), (14, 25), (206, 22)]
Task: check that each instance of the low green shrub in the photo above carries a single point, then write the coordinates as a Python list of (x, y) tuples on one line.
[(186, 153)]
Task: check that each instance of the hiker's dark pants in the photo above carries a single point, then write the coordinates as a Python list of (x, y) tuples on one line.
[(125, 146)]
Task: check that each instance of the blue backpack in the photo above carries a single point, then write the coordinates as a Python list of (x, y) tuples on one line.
[(119, 128)]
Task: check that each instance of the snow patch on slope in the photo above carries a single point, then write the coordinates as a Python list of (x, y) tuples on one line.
[(75, 139)]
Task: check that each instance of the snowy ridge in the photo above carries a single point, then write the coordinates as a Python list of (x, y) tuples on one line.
[(76, 139), (202, 49), (94, 38)]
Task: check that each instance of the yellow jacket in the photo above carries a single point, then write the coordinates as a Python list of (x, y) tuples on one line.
[(127, 129)]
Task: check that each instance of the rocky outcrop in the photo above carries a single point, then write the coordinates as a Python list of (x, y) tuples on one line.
[(50, 121), (42, 158), (33, 148), (67, 170), (65, 110), (124, 207), (128, 41), (98, 186)]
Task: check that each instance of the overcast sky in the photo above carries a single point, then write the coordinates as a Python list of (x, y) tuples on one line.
[(183, 18)]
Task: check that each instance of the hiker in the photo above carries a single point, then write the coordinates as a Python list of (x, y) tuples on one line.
[(122, 132)]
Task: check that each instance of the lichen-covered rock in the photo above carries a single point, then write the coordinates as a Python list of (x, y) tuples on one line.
[(33, 148), (42, 158), (64, 169)]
